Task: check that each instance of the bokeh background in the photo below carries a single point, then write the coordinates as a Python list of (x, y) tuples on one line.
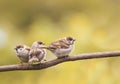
[(94, 23)]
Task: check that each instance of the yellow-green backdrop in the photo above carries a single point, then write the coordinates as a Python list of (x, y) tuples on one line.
[(95, 24)]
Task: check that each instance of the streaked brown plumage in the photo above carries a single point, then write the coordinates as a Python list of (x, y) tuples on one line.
[(37, 54), (62, 47), (22, 52)]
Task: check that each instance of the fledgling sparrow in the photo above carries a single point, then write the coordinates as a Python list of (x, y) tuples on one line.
[(62, 47), (22, 52), (37, 53)]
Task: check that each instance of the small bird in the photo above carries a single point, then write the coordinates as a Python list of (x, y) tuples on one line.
[(62, 47), (22, 52), (37, 53)]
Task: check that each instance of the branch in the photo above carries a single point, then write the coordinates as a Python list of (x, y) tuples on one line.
[(58, 61)]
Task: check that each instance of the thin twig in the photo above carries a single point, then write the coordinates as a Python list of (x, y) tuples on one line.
[(54, 62)]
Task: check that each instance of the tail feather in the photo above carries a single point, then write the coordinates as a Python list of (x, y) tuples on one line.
[(49, 48)]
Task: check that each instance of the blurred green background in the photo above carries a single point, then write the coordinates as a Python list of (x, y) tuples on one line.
[(94, 23)]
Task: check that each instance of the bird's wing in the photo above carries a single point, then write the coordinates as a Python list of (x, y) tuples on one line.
[(37, 52), (58, 44), (31, 53), (40, 54)]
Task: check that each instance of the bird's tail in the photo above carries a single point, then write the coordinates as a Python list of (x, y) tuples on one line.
[(45, 47), (48, 48)]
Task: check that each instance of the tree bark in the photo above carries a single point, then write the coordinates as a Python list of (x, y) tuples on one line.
[(16, 67)]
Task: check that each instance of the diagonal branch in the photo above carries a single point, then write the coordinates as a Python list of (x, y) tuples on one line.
[(58, 61)]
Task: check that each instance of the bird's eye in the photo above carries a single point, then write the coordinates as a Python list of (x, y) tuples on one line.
[(20, 48)]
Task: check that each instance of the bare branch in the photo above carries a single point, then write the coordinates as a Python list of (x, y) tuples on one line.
[(58, 61)]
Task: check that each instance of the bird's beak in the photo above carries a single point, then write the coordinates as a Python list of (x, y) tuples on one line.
[(74, 39), (15, 48), (43, 43)]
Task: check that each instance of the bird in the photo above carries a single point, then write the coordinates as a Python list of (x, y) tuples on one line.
[(37, 53), (22, 52), (62, 47)]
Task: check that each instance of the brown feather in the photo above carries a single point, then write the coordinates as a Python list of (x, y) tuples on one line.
[(59, 44)]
